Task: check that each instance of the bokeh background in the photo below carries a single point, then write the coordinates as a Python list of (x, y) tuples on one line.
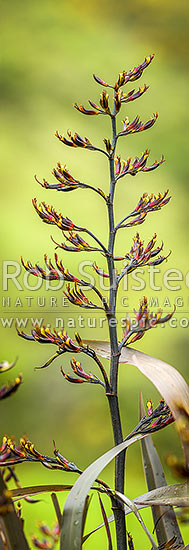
[(49, 51)]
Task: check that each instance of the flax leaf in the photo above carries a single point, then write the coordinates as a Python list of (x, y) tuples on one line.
[(175, 495), (10, 524), (72, 519), (165, 522)]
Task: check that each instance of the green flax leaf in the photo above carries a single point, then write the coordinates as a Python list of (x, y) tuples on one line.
[(56, 507), (164, 518), (134, 509), (18, 494), (175, 495), (110, 547), (72, 519)]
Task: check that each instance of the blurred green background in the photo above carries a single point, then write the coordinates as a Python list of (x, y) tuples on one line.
[(49, 51)]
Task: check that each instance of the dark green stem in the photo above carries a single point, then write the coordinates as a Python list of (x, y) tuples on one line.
[(112, 396)]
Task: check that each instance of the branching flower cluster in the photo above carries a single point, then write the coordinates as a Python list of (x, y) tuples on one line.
[(138, 254)]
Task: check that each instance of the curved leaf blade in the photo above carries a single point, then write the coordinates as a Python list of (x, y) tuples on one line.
[(56, 507), (71, 531), (165, 521), (168, 381), (110, 547), (134, 509), (174, 495), (18, 494)]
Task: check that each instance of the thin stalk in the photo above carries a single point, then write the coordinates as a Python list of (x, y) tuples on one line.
[(96, 239), (115, 353), (91, 353)]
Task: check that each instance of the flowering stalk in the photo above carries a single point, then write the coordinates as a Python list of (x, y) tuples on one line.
[(139, 255), (115, 353)]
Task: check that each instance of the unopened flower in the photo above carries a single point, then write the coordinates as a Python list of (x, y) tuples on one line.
[(149, 203), (45, 529), (133, 74), (7, 389), (140, 255), (90, 112), (52, 533), (82, 376), (76, 141), (136, 221), (42, 544), (78, 244), (104, 102), (51, 273), (136, 125), (149, 407), (100, 271), (64, 343), (19, 510), (49, 215), (45, 335), (146, 204), (76, 297), (70, 466), (132, 95), (117, 101), (144, 321), (103, 109), (108, 145), (130, 541), (66, 182), (101, 82), (5, 365), (138, 165), (159, 418), (125, 76), (26, 451)]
